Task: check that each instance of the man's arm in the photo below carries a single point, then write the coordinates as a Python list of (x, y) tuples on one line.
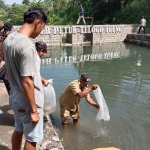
[(28, 89), (85, 92), (91, 102)]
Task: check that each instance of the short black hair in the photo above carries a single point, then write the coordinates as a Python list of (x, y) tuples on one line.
[(35, 13), (8, 26), (40, 45)]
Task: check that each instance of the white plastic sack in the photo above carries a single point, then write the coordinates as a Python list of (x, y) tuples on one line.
[(49, 98), (103, 112)]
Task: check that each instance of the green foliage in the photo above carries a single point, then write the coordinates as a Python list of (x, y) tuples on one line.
[(35, 3), (2, 5), (2, 15), (16, 14), (63, 12), (25, 2), (133, 12)]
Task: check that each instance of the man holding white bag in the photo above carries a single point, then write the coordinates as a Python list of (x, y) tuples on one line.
[(49, 92), (41, 48)]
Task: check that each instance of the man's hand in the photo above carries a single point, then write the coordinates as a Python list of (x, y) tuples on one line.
[(97, 106), (94, 87), (45, 82), (34, 117)]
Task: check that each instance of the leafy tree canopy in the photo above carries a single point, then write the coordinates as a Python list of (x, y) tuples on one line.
[(66, 11), (25, 2)]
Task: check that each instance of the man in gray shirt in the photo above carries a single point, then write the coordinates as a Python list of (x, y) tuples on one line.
[(26, 96)]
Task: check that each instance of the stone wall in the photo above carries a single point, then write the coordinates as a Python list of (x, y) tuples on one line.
[(50, 40), (74, 38), (139, 39), (103, 37), (80, 34), (107, 37)]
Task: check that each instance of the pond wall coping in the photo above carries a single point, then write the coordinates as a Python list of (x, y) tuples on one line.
[(81, 34), (138, 39)]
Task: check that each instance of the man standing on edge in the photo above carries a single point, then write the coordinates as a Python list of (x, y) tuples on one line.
[(142, 25), (26, 96), (70, 98), (81, 15), (6, 29)]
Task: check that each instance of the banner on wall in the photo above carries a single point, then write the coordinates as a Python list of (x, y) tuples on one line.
[(79, 29)]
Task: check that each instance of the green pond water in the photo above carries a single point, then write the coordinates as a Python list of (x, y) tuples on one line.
[(123, 73)]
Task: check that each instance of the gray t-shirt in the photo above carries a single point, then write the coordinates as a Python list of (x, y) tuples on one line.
[(21, 60)]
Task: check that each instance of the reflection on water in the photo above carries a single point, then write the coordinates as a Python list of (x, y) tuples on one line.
[(139, 60), (123, 74), (69, 55)]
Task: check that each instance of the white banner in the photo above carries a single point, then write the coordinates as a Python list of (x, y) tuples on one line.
[(79, 29)]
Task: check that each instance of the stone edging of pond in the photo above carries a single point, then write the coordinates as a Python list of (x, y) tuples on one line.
[(138, 39), (51, 139)]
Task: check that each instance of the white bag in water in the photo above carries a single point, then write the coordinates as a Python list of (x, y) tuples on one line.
[(103, 112), (49, 98)]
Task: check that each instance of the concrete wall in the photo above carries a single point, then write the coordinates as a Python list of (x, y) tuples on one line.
[(81, 34), (112, 36), (108, 34)]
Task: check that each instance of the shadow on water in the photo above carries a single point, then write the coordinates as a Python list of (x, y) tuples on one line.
[(122, 71)]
